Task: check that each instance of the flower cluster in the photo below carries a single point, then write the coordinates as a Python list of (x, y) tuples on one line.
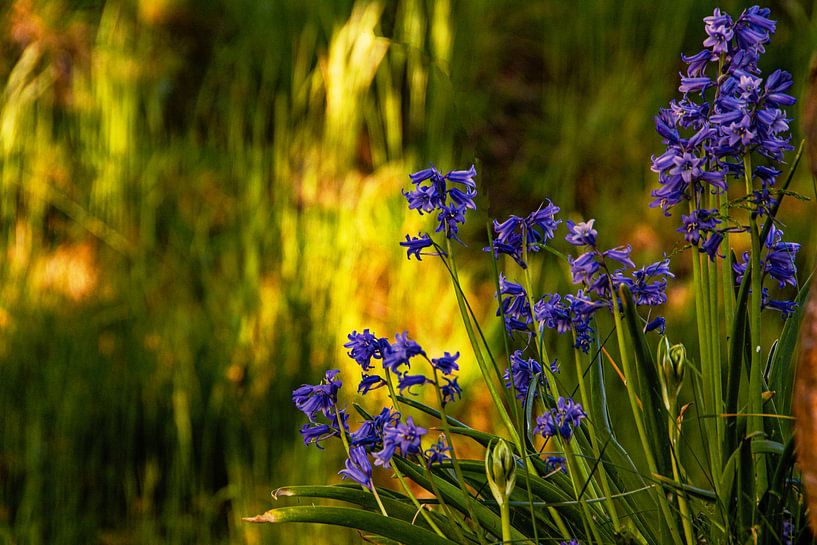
[(593, 269), (515, 235), (381, 436), (727, 113), (778, 263), (562, 420), (396, 358), (321, 401), (434, 192), (521, 373)]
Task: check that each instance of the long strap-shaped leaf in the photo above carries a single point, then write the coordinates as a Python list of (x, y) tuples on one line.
[(654, 413), (401, 509), (365, 521), (454, 497)]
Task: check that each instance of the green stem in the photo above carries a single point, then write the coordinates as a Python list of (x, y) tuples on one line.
[(454, 460), (683, 507), (399, 475), (495, 397), (717, 367), (755, 427), (605, 485), (639, 424), (505, 513)]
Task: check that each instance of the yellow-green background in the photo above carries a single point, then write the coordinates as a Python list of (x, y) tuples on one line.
[(199, 199)]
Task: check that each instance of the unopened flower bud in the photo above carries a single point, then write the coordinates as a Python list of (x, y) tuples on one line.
[(673, 362), (500, 469)]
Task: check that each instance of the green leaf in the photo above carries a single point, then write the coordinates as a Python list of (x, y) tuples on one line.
[(430, 411), (737, 349), (454, 497), (781, 379), (401, 508), (700, 493), (480, 437), (365, 521), (764, 446), (530, 398), (617, 462), (655, 415)]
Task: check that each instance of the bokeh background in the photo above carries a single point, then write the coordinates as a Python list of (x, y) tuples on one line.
[(199, 199)]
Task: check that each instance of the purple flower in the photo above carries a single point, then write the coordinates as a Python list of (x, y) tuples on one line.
[(514, 306), (556, 463), (404, 438), (582, 233), (534, 231), (358, 468), (365, 346), (521, 373), (415, 245), (370, 433), (446, 364), (432, 193), (698, 223), (369, 382), (320, 398), (314, 432), (400, 353), (561, 420), (436, 454), (406, 382), (450, 391)]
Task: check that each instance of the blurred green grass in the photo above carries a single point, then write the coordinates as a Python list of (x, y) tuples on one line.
[(198, 201)]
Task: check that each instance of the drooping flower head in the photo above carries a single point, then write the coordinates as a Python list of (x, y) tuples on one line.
[(399, 438), (320, 398), (358, 467), (448, 195), (561, 420), (532, 232), (437, 453)]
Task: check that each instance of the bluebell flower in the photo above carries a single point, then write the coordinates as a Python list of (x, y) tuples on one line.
[(404, 438), (658, 324), (534, 231), (698, 224), (320, 398), (778, 263), (787, 533), (358, 468), (365, 346), (432, 194), (649, 284), (733, 112), (552, 313), (400, 352), (370, 382), (561, 420), (571, 542), (450, 391), (447, 363), (436, 454), (582, 233), (370, 433), (314, 432), (515, 305), (520, 374), (415, 245), (406, 381), (556, 463)]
